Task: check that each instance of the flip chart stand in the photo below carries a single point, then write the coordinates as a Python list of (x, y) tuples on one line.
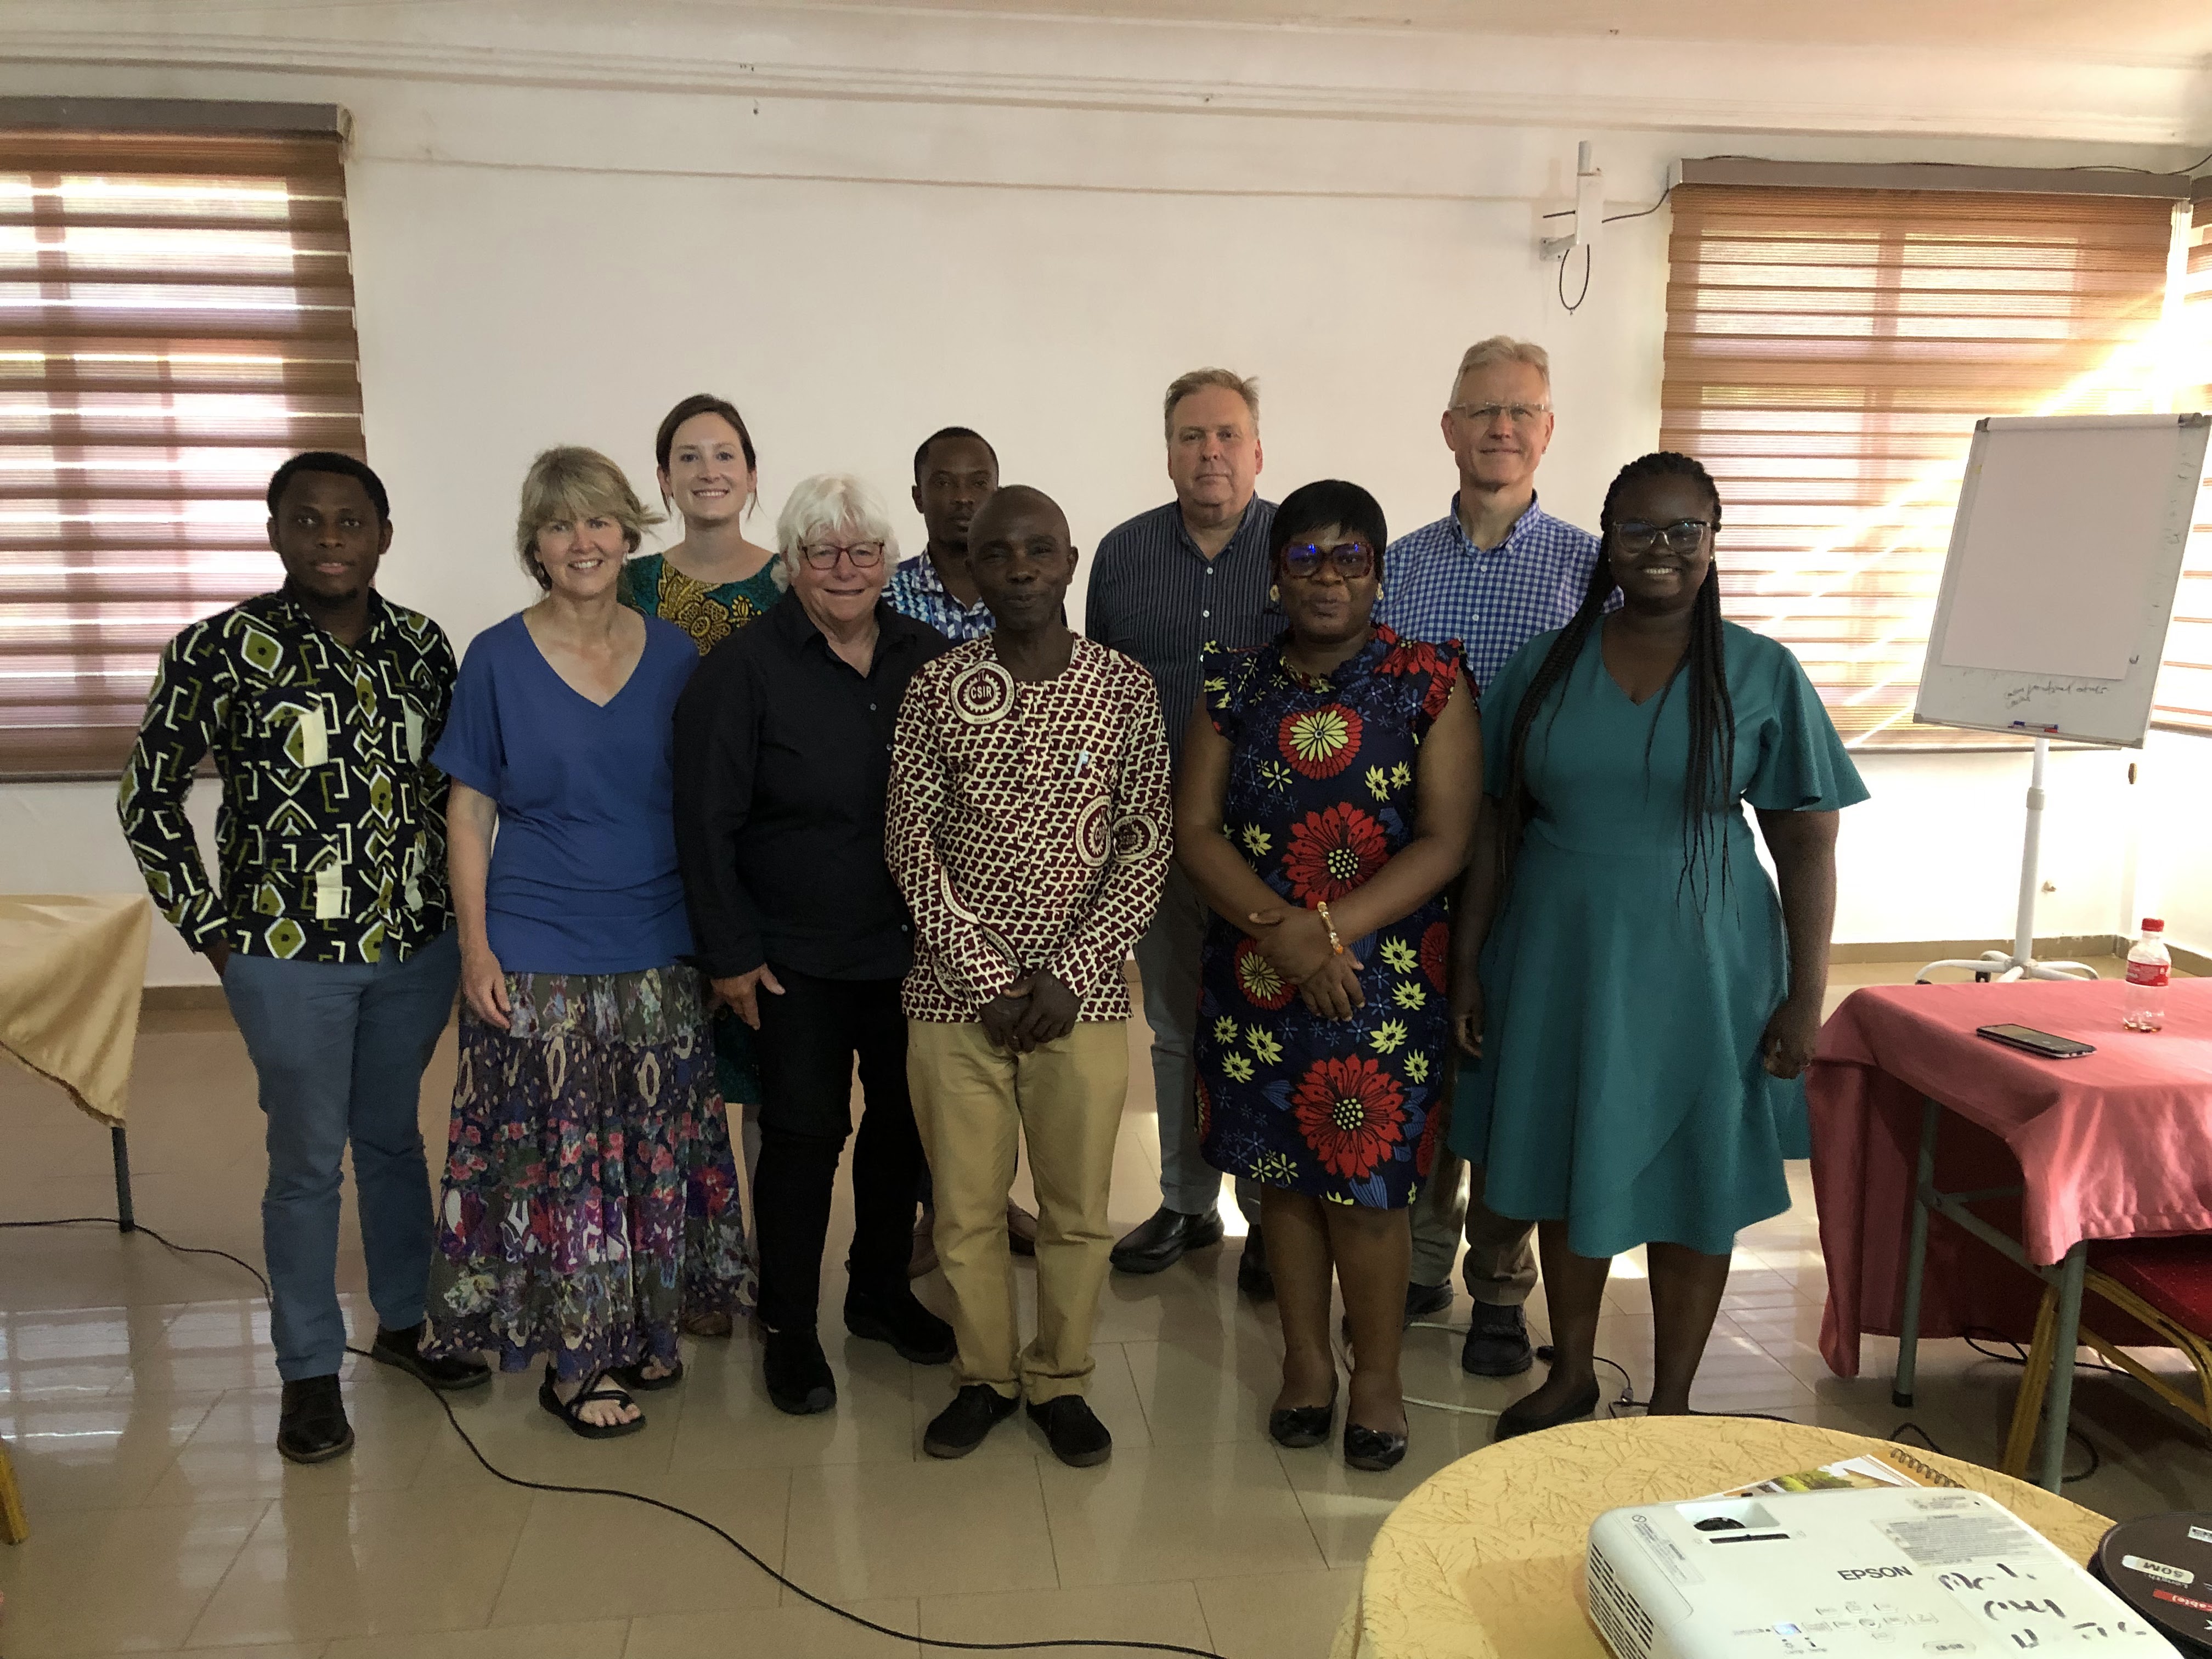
[(2020, 963)]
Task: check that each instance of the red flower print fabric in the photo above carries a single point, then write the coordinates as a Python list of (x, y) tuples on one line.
[(1333, 852), (1320, 742), (1352, 1113), (1321, 797)]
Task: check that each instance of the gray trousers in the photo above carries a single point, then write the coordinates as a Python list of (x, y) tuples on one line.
[(1500, 1268), (1167, 960)]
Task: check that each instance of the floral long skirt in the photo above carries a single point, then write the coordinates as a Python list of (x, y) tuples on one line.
[(590, 1194)]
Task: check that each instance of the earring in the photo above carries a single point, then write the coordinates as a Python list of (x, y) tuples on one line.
[(1274, 594), (1378, 592)]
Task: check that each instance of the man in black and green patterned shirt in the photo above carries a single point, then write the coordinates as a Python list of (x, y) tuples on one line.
[(332, 933)]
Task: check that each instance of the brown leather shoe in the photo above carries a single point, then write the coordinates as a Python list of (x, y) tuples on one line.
[(1021, 1230)]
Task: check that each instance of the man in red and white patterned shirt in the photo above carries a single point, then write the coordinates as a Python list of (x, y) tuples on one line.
[(1029, 827)]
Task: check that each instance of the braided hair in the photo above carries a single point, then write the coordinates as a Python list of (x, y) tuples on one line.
[(1708, 785)]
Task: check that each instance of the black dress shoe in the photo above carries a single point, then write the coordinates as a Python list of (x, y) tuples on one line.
[(1299, 1426), (311, 1421), (797, 1374), (896, 1318), (1497, 1342), (1515, 1420), (404, 1350), (1158, 1244), (960, 1427), (1253, 1277), (1077, 1437), (1372, 1449)]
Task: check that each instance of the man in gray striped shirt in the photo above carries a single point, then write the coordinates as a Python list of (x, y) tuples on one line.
[(1162, 585)]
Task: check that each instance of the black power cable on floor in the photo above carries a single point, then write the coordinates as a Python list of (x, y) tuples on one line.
[(497, 1473)]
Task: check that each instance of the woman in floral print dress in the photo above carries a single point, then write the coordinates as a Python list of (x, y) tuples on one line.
[(1327, 798)]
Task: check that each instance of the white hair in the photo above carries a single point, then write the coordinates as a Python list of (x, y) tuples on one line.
[(1503, 349), (833, 500)]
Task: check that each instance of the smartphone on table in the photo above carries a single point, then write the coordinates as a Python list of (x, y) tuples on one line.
[(2031, 1041)]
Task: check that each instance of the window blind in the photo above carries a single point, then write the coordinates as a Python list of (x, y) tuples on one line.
[(176, 317), (2183, 701), (1828, 354)]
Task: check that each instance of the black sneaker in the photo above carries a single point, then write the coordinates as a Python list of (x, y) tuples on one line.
[(1253, 1277), (1497, 1342), (918, 1334), (797, 1374), (960, 1427), (1079, 1438), (310, 1422), (404, 1350)]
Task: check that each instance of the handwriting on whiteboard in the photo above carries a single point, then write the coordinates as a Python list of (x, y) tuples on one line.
[(2016, 695)]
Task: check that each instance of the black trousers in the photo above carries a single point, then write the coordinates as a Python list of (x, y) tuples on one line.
[(808, 1040)]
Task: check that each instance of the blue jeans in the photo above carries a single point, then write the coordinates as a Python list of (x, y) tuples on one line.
[(339, 1048)]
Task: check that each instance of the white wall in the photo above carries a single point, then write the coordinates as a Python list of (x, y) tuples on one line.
[(864, 227)]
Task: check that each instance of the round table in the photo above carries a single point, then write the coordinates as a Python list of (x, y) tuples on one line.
[(1486, 1557)]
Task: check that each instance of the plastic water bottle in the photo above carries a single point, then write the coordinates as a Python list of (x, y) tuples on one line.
[(2149, 967)]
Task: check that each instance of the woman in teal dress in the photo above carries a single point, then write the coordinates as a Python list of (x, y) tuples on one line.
[(710, 584), (1641, 1005)]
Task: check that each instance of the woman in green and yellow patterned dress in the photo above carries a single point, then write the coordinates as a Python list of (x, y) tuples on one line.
[(710, 584)]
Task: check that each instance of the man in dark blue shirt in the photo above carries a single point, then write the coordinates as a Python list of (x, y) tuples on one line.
[(1162, 587)]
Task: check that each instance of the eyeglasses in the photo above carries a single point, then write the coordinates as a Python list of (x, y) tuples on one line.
[(1352, 560), (1684, 535), (1519, 414), (865, 556)]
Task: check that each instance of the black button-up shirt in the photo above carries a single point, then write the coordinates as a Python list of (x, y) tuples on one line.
[(1155, 597), (331, 833), (783, 761)]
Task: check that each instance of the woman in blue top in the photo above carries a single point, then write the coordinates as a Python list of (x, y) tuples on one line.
[(587, 1073), (1642, 1004)]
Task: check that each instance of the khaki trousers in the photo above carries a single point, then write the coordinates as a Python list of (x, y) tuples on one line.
[(1065, 1099)]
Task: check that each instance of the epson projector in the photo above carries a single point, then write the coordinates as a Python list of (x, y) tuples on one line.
[(1881, 1573)]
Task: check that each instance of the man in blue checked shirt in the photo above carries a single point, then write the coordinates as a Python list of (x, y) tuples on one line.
[(1492, 573), (955, 472)]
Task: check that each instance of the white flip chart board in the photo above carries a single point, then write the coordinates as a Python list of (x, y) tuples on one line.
[(2065, 555)]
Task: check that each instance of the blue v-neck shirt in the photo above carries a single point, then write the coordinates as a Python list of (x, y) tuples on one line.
[(583, 869)]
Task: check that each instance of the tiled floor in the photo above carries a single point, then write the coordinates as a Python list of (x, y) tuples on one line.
[(140, 1405)]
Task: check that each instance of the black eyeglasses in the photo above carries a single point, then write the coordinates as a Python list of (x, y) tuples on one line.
[(1352, 560), (1684, 535), (865, 556)]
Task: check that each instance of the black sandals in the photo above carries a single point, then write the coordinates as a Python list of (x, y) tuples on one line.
[(602, 1387)]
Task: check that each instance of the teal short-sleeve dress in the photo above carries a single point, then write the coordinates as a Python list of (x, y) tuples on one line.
[(1622, 1086)]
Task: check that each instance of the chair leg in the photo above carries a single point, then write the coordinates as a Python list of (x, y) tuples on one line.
[(15, 1525), (2034, 1382)]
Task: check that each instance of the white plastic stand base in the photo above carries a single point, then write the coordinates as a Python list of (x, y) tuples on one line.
[(2019, 963)]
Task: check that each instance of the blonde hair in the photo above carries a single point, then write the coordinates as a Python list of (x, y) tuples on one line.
[(833, 500), (1502, 348), (571, 481), (1197, 380)]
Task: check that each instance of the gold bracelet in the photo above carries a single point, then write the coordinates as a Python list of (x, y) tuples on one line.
[(1321, 908)]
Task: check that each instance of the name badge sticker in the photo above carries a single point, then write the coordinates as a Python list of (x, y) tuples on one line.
[(314, 740)]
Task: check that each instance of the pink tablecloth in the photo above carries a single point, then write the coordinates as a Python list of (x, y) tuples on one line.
[(2117, 1144)]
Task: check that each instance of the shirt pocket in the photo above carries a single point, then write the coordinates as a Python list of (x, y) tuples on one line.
[(289, 732)]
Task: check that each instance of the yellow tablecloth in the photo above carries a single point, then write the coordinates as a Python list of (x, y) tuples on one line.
[(71, 969), (1486, 1557)]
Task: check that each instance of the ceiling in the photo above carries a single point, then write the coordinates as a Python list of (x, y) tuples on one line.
[(2130, 30)]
